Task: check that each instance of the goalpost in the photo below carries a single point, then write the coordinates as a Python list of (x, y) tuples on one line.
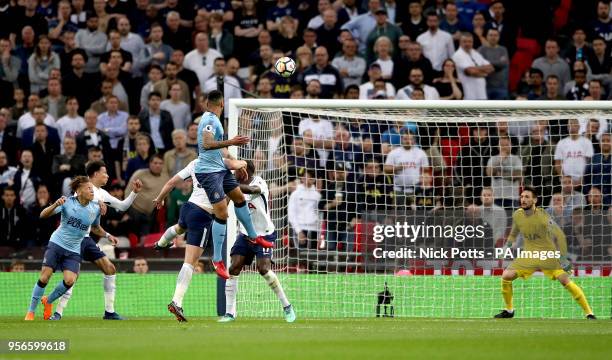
[(360, 257)]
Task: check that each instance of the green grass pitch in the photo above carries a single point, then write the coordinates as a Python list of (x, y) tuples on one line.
[(201, 338)]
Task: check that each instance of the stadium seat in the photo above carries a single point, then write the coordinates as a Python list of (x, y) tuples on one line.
[(561, 15), (520, 63), (149, 240)]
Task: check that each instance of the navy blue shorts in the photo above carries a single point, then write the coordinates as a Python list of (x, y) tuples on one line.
[(217, 184), (197, 222), (249, 250), (58, 258), (90, 250)]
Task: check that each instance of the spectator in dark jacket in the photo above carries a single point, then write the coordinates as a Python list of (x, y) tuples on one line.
[(471, 162), (8, 142), (141, 160), (12, 218), (67, 165), (26, 180), (28, 136), (43, 151), (41, 228), (162, 132)]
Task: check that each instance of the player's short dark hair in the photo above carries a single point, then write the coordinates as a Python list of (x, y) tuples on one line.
[(215, 97), (532, 190), (219, 59), (76, 183), (250, 167), (70, 98), (93, 167), (598, 38)]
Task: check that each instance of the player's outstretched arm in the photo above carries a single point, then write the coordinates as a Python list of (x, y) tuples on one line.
[(51, 209), (168, 186), (97, 229), (247, 189), (209, 142), (123, 205)]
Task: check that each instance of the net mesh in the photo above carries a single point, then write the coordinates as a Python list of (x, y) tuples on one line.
[(341, 177)]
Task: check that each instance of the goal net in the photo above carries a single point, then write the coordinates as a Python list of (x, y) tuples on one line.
[(389, 208)]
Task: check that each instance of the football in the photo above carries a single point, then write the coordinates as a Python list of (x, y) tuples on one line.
[(285, 66)]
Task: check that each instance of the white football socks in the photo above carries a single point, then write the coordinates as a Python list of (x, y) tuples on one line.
[(109, 293), (62, 302), (182, 284), (231, 289), (275, 285), (167, 237)]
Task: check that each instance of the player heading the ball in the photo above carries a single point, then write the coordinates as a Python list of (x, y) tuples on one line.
[(217, 180)]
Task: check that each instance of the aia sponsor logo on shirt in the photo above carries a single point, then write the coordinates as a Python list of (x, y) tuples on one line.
[(574, 154)]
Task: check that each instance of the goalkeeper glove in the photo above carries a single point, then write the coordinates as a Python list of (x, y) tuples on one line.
[(566, 265)]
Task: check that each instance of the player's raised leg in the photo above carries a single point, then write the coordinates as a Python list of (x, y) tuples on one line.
[(508, 277), (242, 213), (165, 241), (577, 294)]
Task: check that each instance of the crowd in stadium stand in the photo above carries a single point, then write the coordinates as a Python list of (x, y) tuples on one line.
[(123, 81)]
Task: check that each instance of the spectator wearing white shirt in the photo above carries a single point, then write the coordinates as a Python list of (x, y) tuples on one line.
[(368, 91), (318, 133), (416, 78), (27, 120), (303, 212), (231, 86), (472, 69), (437, 44), (71, 124), (201, 59), (383, 48), (180, 111), (573, 153), (406, 163)]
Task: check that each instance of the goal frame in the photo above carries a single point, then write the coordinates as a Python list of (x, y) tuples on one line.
[(473, 105), (236, 104)]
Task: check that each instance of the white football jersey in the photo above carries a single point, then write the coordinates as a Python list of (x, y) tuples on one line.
[(198, 195), (259, 208)]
